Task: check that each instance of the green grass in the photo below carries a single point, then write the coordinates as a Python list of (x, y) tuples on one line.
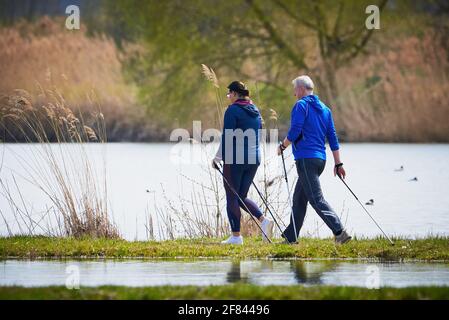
[(434, 248), (235, 291)]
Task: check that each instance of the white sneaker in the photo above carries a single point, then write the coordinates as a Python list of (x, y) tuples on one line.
[(267, 227), (233, 240)]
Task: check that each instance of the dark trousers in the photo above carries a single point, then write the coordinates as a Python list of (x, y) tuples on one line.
[(240, 177), (308, 189)]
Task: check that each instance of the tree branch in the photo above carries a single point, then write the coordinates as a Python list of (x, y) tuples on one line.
[(276, 38), (321, 30), (338, 20), (294, 16)]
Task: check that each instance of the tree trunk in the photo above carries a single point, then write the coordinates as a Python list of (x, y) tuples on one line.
[(330, 83)]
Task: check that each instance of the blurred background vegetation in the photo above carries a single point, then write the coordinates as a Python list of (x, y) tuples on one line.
[(141, 61)]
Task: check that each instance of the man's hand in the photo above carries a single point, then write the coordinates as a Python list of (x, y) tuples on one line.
[(340, 171)]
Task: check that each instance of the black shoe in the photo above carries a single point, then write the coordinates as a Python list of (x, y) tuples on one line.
[(342, 238), (286, 241)]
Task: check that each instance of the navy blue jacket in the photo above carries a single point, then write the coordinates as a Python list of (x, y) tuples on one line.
[(241, 133)]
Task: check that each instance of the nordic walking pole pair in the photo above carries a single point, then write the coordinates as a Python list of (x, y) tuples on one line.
[(240, 199), (288, 192), (293, 217), (342, 180), (268, 207)]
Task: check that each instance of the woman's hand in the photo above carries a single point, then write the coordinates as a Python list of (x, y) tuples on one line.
[(282, 146), (279, 150), (215, 162)]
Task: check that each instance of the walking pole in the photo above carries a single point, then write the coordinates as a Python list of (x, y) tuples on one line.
[(268, 207), (244, 204), (288, 192), (342, 180)]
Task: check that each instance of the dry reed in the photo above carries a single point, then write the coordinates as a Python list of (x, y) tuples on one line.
[(63, 172)]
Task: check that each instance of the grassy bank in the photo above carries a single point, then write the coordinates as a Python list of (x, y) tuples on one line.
[(236, 291), (33, 247)]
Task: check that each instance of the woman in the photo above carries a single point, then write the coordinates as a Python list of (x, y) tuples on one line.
[(239, 151)]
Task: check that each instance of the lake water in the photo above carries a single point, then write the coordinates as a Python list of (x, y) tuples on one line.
[(137, 174), (138, 273)]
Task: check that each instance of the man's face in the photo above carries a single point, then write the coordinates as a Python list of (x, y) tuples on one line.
[(298, 92)]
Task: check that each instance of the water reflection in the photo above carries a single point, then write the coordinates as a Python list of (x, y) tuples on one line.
[(306, 272), (234, 275), (206, 272), (242, 271), (294, 272)]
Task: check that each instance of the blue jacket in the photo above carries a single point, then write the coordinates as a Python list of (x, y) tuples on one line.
[(243, 145), (311, 124)]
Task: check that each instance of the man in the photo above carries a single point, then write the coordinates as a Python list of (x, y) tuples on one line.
[(311, 124)]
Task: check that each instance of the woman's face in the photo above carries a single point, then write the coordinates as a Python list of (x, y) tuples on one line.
[(232, 96)]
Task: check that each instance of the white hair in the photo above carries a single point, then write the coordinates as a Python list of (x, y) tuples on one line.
[(303, 81)]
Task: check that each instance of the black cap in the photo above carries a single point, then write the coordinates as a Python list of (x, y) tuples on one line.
[(239, 87)]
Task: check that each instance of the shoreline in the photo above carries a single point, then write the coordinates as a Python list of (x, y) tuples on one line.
[(431, 249)]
